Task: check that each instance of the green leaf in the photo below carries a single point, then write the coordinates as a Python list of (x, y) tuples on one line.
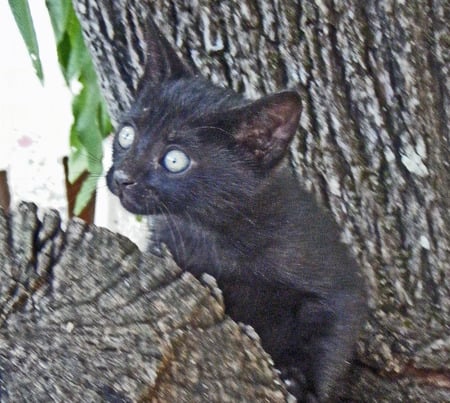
[(85, 194), (87, 128), (77, 164), (24, 21), (79, 56), (59, 11), (63, 50), (106, 126)]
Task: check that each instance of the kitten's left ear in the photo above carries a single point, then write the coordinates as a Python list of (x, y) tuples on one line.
[(162, 62), (267, 126)]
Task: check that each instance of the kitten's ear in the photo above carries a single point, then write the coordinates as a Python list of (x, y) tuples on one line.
[(267, 126), (162, 62)]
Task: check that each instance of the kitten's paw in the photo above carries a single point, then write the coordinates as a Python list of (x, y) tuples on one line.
[(311, 398), (297, 385), (156, 248), (295, 382)]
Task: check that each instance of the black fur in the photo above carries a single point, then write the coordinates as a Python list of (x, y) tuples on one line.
[(238, 213)]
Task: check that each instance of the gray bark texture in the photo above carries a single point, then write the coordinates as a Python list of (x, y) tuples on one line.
[(86, 317), (373, 146)]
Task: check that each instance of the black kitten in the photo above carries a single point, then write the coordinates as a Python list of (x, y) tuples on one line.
[(211, 166)]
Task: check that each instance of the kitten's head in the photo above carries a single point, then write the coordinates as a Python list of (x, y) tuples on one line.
[(190, 148)]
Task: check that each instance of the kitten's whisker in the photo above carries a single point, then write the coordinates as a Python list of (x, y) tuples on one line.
[(175, 231), (90, 155)]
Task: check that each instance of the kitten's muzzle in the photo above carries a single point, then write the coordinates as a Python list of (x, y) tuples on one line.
[(122, 180), (133, 196)]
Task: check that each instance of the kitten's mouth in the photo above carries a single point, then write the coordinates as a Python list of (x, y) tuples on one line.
[(129, 203), (137, 204), (134, 197)]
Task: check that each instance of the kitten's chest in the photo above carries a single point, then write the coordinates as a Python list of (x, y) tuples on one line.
[(196, 248), (250, 297)]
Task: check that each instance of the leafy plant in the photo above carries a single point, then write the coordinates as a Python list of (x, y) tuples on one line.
[(22, 15), (91, 121)]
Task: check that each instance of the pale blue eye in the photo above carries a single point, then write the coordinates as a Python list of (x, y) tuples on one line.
[(176, 161), (126, 136)]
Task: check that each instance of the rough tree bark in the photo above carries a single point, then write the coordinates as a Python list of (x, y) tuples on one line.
[(86, 317), (373, 144)]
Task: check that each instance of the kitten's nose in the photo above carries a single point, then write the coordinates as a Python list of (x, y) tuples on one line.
[(122, 179)]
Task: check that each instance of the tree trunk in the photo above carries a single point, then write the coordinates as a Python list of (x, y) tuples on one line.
[(374, 142), (85, 316)]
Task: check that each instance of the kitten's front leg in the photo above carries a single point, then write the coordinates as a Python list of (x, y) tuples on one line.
[(168, 231), (157, 236), (327, 332), (193, 247)]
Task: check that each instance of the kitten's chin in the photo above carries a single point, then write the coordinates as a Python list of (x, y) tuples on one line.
[(137, 208)]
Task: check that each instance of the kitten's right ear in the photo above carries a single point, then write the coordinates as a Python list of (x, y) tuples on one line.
[(162, 63), (266, 127)]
